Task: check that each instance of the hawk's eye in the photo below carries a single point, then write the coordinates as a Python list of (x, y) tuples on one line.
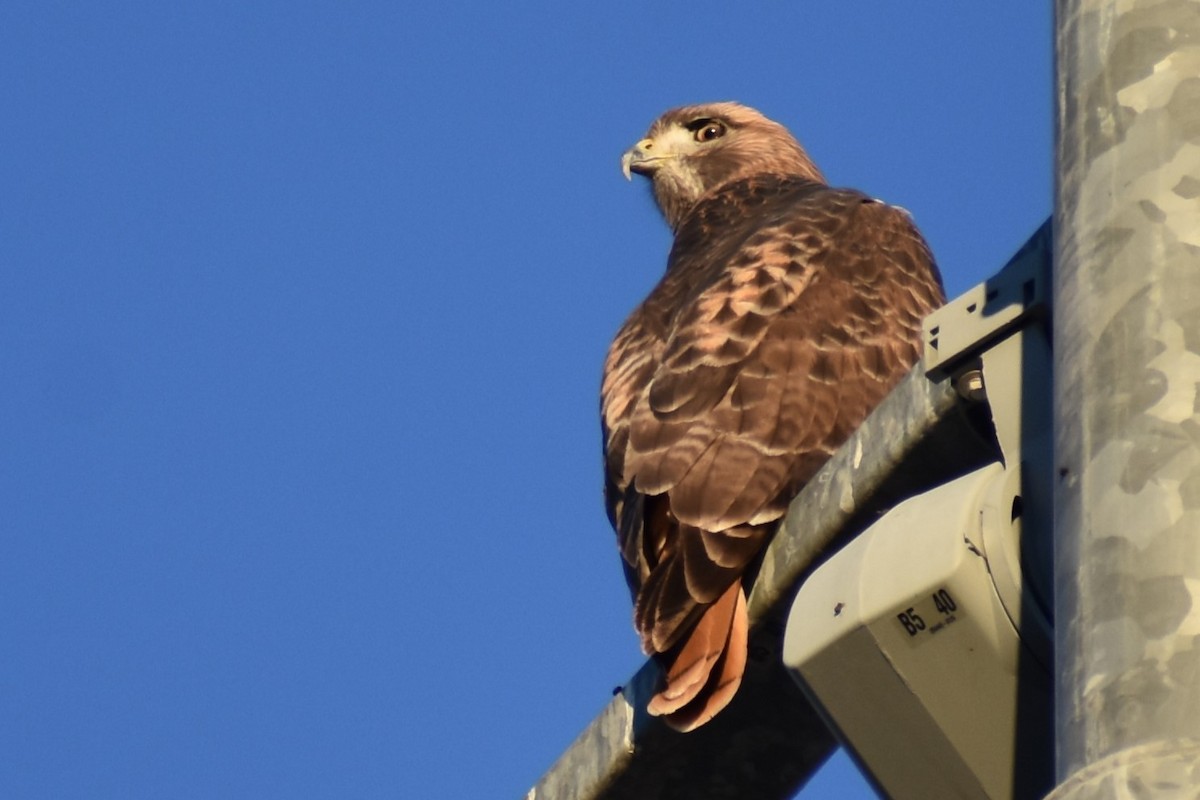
[(708, 131)]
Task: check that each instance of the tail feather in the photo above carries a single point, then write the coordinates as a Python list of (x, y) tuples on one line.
[(704, 673), (725, 679)]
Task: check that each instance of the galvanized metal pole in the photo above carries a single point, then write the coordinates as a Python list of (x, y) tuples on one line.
[(1127, 399)]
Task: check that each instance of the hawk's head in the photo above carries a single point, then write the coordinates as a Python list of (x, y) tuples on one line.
[(691, 151)]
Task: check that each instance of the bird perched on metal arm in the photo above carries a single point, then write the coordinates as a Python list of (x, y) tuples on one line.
[(788, 310)]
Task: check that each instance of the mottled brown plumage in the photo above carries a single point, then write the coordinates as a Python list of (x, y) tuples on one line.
[(787, 312)]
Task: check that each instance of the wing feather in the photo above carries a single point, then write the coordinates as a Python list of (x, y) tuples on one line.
[(787, 313)]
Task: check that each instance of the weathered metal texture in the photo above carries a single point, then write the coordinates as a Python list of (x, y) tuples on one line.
[(1163, 770), (1127, 398), (770, 740), (764, 745)]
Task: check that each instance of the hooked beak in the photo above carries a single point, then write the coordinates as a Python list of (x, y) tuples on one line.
[(639, 159)]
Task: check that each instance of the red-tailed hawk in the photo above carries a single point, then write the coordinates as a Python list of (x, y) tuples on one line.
[(787, 312)]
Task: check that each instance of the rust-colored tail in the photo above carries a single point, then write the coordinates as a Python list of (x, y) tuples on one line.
[(704, 671)]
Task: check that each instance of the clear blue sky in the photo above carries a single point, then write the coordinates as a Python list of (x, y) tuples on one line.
[(302, 312)]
